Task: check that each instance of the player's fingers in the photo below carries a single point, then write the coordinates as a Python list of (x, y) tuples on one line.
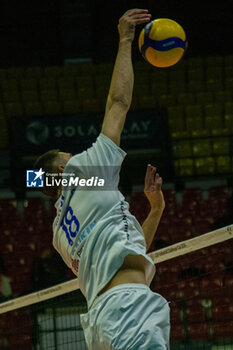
[(152, 175), (133, 12), (139, 16), (147, 176), (142, 20), (148, 170), (130, 14), (158, 182), (136, 19), (153, 172)]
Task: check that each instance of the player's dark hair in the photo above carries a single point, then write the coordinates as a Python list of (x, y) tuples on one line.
[(46, 163)]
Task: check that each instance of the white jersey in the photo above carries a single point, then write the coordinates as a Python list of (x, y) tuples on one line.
[(94, 230)]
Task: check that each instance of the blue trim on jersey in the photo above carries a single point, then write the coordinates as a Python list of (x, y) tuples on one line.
[(160, 45)]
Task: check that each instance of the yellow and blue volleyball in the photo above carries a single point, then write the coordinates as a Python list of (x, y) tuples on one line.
[(162, 42)]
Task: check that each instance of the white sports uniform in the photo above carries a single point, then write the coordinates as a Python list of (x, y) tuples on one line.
[(94, 232)]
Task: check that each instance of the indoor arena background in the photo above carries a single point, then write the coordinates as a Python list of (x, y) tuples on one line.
[(56, 61)]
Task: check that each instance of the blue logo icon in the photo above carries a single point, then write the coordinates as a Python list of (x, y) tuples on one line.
[(35, 178)]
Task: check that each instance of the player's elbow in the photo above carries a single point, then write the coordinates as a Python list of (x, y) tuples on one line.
[(121, 100)]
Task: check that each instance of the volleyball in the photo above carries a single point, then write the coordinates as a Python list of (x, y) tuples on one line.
[(162, 42)]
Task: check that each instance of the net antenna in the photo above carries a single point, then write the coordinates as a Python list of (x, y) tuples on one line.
[(173, 251)]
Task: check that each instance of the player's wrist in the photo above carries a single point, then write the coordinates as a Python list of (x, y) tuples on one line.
[(126, 41)]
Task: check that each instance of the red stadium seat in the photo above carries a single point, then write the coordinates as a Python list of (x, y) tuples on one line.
[(218, 193), (222, 329), (169, 195), (20, 342), (205, 210), (212, 284), (202, 225), (229, 284), (168, 277), (223, 249), (163, 233), (137, 202), (214, 207), (221, 301), (168, 292), (177, 332), (188, 288), (199, 302), (21, 284), (198, 331), (180, 230), (192, 194), (222, 312), (196, 313), (3, 326), (175, 314), (19, 332), (214, 265)]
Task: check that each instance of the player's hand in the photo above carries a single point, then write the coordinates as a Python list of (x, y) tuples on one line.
[(153, 188), (129, 20)]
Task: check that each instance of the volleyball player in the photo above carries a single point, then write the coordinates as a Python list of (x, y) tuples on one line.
[(97, 236)]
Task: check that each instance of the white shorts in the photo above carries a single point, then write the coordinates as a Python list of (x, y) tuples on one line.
[(128, 317)]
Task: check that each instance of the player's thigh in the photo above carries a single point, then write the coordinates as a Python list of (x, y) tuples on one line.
[(135, 318)]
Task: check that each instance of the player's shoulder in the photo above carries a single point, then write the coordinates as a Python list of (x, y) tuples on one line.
[(108, 144), (100, 142)]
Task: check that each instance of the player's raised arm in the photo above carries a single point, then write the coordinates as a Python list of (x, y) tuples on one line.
[(153, 192), (121, 88)]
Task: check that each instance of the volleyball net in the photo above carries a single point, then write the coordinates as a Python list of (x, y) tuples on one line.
[(195, 275)]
